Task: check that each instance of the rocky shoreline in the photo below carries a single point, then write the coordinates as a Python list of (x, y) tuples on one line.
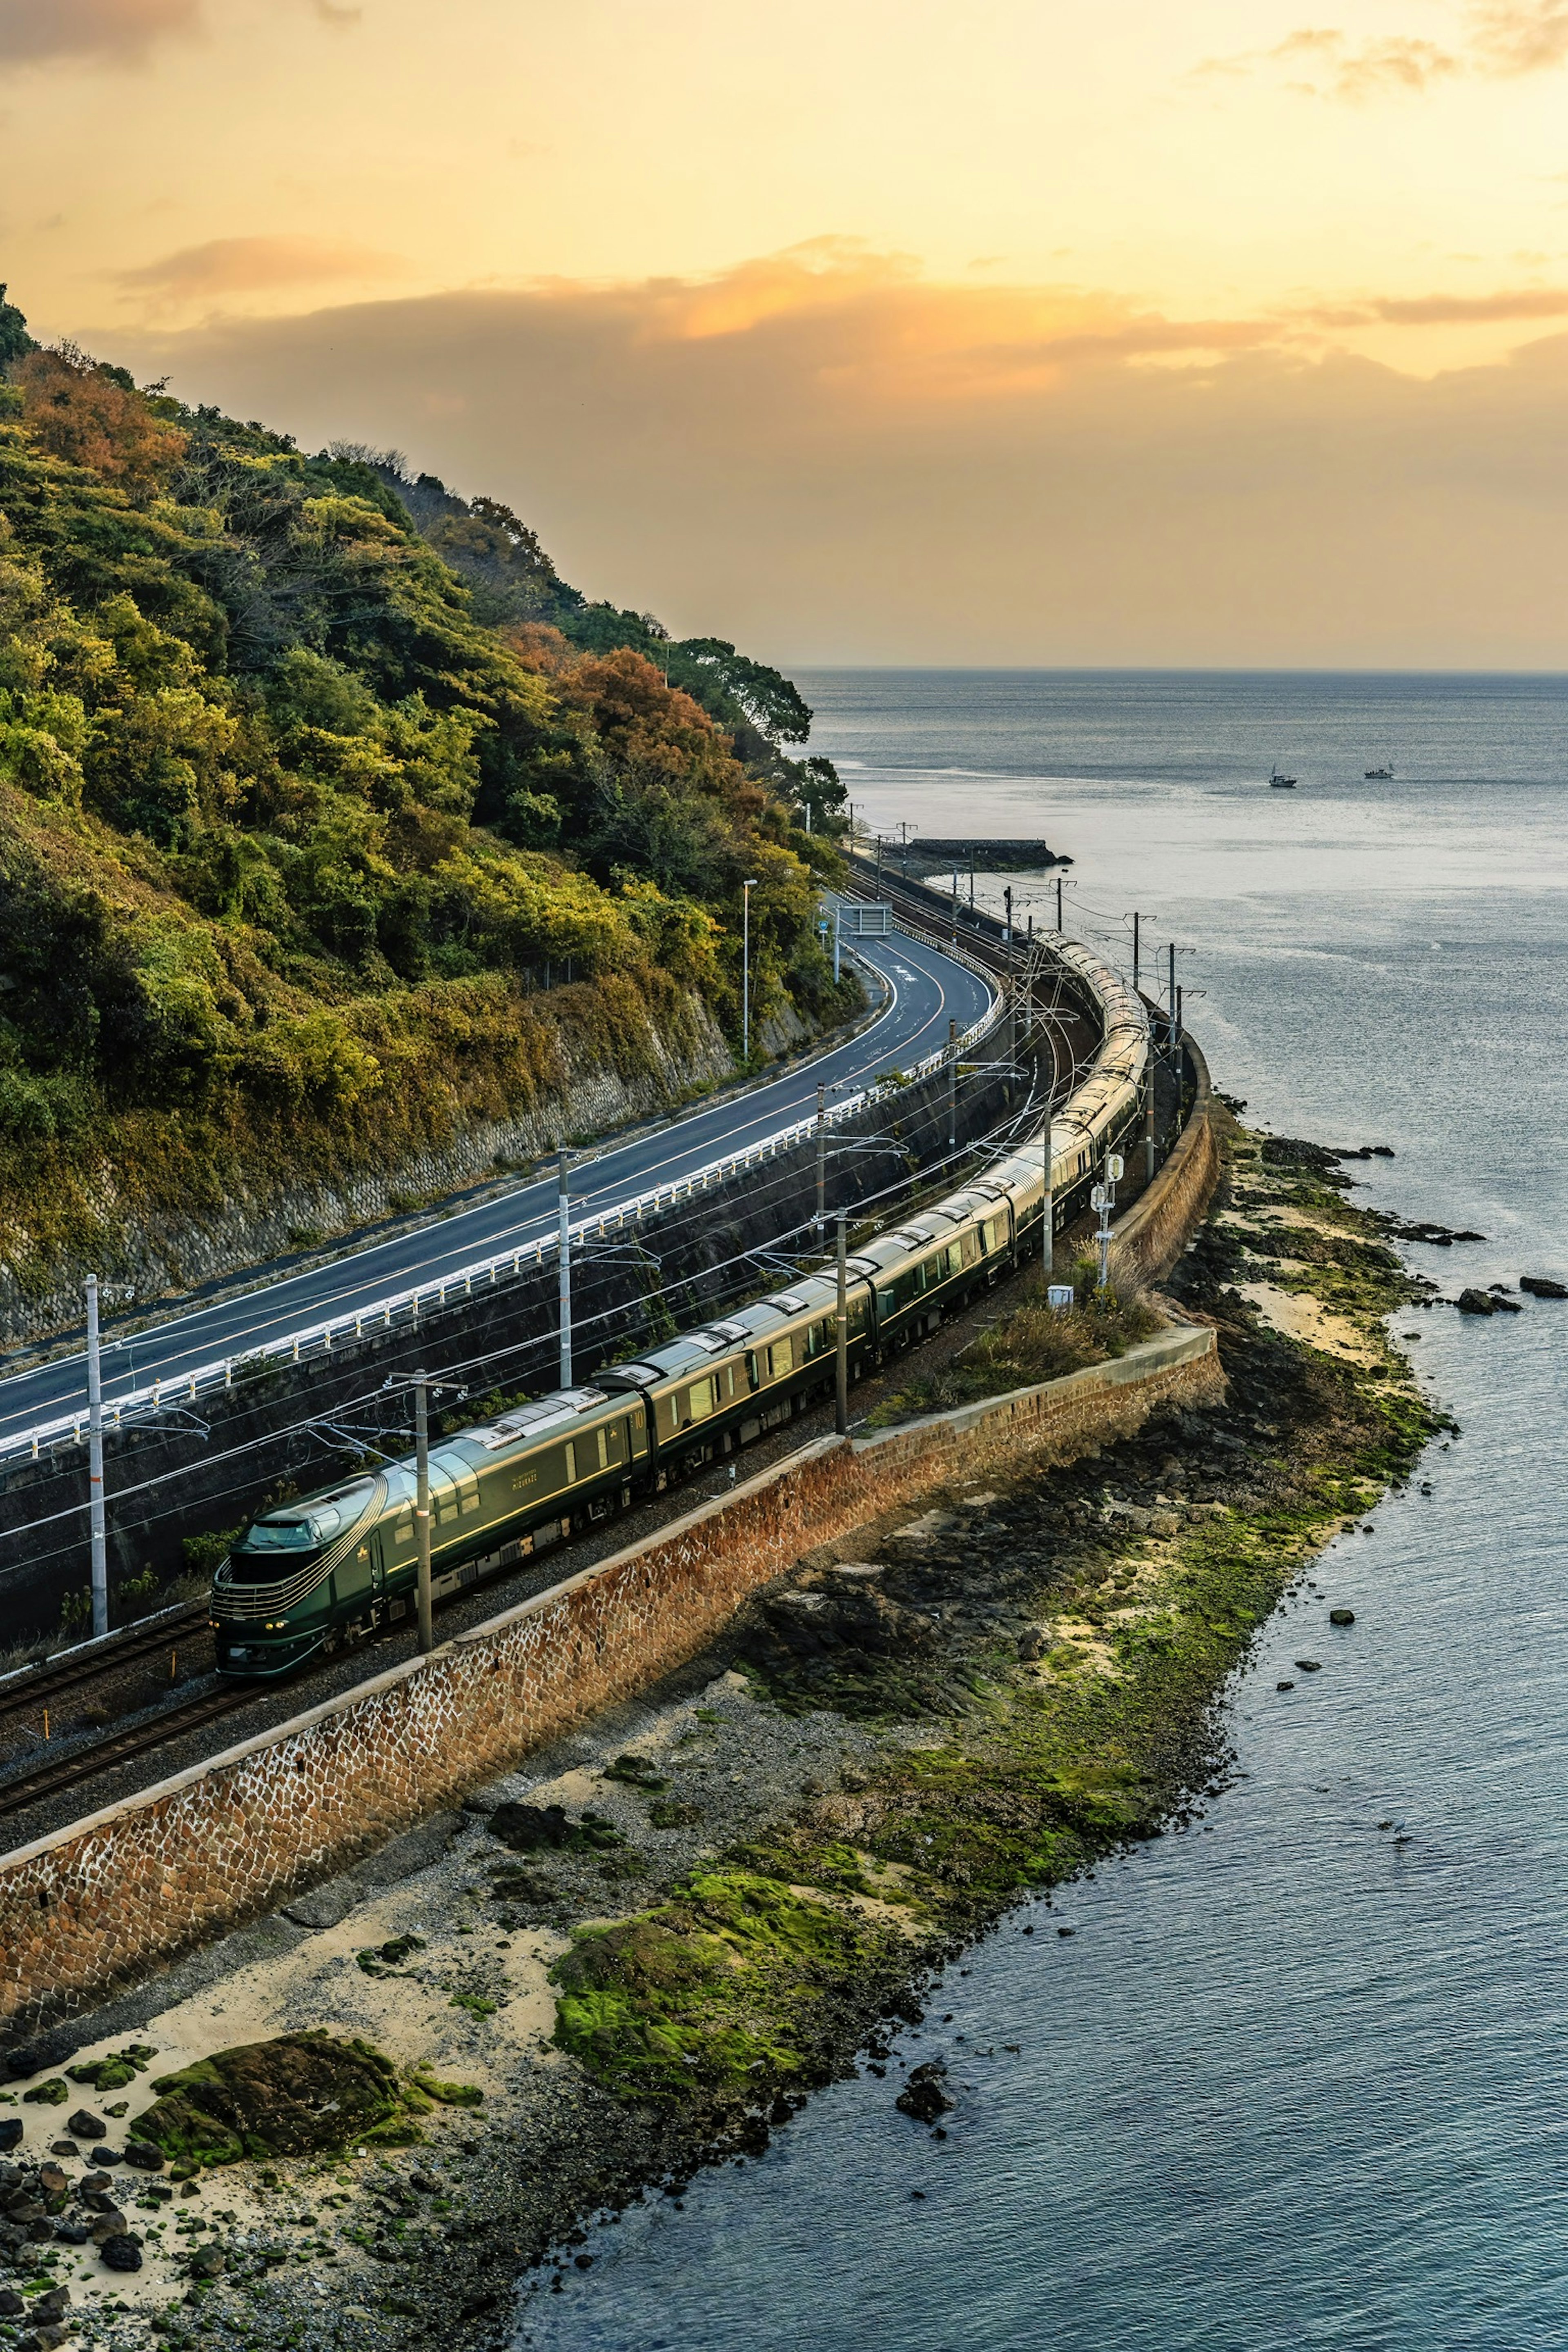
[(642, 1954)]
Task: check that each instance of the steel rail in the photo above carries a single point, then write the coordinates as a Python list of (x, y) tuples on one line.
[(403, 1306)]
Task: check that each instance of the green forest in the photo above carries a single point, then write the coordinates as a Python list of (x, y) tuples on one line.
[(328, 808)]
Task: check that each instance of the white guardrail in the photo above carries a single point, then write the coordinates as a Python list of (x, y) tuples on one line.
[(406, 1307)]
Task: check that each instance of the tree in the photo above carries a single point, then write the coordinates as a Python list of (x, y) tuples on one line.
[(772, 702), (16, 342)]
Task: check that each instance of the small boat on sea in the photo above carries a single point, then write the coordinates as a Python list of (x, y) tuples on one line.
[(1383, 775), (1281, 783)]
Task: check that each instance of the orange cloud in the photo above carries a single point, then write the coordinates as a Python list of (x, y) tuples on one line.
[(120, 31), (235, 265), (830, 460), (1506, 38), (1452, 309)]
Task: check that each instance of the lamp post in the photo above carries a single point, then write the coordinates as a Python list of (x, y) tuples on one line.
[(746, 890)]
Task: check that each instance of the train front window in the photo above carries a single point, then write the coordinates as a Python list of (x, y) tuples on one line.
[(280, 1535)]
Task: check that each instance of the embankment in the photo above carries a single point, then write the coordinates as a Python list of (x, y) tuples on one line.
[(104, 1902)]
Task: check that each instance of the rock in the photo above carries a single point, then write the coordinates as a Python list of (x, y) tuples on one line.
[(71, 2234), (298, 2094), (46, 2338), (1277, 1685), (1308, 1665), (1033, 1644), (1540, 1286), (111, 2223), (206, 2262), (123, 2252), (85, 2124), (10, 2133), (1507, 1307), (528, 1828), (923, 2096), (52, 2181), (53, 2305), (11, 2303), (53, 2094), (144, 2156), (1477, 1302), (64, 2148), (1164, 1523), (1342, 1616)]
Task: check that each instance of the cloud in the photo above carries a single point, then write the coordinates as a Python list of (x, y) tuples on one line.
[(1513, 40), (121, 32), (826, 457), (1334, 67), (236, 265), (1451, 310), (1506, 38)]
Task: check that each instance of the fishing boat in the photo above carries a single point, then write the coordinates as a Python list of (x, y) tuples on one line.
[(1383, 775), (1281, 783)]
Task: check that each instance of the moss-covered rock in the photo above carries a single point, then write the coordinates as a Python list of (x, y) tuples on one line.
[(300, 2095)]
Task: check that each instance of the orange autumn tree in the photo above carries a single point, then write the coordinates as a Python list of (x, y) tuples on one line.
[(91, 415)]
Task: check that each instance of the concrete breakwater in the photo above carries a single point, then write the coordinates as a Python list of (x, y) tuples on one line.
[(102, 1902)]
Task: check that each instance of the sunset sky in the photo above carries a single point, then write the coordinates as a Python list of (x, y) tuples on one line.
[(1014, 333)]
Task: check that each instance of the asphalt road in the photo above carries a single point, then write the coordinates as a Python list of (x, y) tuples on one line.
[(928, 989)]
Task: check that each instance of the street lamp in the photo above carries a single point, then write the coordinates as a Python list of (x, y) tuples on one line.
[(746, 890)]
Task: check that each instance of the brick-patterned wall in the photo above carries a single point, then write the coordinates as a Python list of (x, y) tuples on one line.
[(110, 1898), (1150, 1238)]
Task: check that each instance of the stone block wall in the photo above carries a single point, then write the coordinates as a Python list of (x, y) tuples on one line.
[(1149, 1239), (109, 1899)]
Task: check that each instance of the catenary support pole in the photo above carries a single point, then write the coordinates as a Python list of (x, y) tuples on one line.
[(564, 1217), (422, 1507), (1135, 947), (821, 1150), (841, 1379), (95, 1522), (746, 890), (952, 1086), (1059, 902), (837, 929)]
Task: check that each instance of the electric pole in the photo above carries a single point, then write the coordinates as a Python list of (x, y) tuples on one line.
[(841, 1381), (563, 1222), (98, 1531), (821, 1152), (952, 1086), (422, 1507), (1135, 948)]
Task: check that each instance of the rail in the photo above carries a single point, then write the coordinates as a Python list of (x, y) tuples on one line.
[(402, 1308)]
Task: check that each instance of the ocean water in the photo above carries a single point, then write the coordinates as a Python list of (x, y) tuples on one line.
[(1299, 2079)]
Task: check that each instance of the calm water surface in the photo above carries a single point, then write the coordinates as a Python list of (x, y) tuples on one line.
[(1292, 2084)]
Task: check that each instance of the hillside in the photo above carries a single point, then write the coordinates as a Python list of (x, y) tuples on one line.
[(332, 819)]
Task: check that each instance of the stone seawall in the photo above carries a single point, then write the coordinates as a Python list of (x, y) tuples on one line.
[(104, 1902), (1147, 1241)]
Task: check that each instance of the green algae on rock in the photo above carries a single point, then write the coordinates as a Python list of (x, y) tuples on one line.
[(299, 2095), (719, 1991)]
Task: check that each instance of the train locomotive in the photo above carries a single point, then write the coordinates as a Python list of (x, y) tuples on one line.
[(313, 1575)]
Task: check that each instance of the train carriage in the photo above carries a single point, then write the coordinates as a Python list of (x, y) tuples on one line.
[(312, 1574)]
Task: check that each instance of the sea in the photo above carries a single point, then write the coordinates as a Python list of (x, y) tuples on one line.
[(1300, 2078)]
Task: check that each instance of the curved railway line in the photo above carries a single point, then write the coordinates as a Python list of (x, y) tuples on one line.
[(110, 1665)]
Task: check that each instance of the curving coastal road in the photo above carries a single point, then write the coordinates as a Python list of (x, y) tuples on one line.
[(928, 990)]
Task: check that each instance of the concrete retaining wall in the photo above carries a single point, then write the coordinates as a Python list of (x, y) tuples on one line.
[(113, 1898), (1151, 1237)]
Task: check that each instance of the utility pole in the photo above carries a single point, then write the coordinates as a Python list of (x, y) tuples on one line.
[(95, 1465), (1059, 902), (955, 903), (1171, 1025), (952, 1086), (746, 890), (422, 1506), (1135, 947), (841, 1381), (821, 1152), (904, 829), (879, 866), (1048, 1213), (563, 1227), (1149, 1124), (1103, 1197), (838, 926)]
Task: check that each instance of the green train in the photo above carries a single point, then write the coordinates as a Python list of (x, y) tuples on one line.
[(313, 1575)]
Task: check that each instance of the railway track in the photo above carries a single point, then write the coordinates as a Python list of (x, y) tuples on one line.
[(35, 1688), (87, 1764)]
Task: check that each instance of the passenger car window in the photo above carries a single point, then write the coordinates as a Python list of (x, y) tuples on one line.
[(700, 1399), (781, 1360)]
